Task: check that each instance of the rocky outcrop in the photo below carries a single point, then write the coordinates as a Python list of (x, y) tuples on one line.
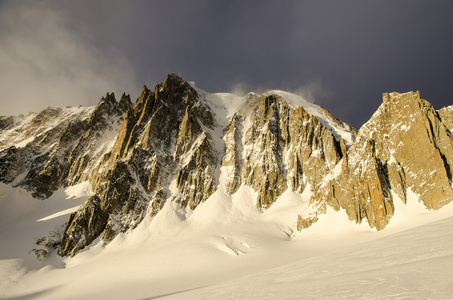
[(405, 146), (304, 223), (85, 226)]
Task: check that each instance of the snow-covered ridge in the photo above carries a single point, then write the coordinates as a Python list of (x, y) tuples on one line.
[(58, 146), (340, 129), (26, 128), (227, 104)]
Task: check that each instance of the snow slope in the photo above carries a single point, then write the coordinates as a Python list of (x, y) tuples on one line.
[(228, 249)]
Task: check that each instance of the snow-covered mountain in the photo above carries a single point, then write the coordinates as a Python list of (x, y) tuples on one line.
[(236, 174)]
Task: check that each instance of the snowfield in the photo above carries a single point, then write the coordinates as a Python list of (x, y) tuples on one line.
[(228, 249)]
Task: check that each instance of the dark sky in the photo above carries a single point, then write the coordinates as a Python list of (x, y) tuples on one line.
[(340, 54)]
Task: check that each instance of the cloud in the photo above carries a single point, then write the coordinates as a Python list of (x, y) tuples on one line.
[(312, 92), (242, 89), (72, 52), (45, 63)]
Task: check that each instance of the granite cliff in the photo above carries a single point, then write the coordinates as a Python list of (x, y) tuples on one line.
[(404, 147)]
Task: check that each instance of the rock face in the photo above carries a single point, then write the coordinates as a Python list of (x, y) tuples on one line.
[(263, 163), (286, 147), (446, 116), (177, 145), (232, 160), (404, 147), (166, 136), (10, 164)]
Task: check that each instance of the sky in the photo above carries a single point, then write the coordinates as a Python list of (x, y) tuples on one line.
[(339, 54)]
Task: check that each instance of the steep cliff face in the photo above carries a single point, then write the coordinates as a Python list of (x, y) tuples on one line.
[(405, 147), (263, 164), (104, 124), (286, 147)]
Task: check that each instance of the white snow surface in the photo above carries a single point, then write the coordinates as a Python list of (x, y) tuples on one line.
[(228, 249)]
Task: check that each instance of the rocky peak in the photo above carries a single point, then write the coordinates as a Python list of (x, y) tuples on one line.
[(174, 85), (404, 148), (141, 101), (62, 145), (109, 107), (114, 106), (165, 137), (125, 100), (176, 91), (109, 99)]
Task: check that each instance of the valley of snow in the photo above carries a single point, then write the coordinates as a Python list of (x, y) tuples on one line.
[(228, 249)]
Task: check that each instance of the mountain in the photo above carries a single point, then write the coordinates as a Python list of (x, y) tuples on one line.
[(178, 147), (405, 148)]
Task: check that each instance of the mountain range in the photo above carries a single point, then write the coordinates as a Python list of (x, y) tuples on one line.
[(179, 145)]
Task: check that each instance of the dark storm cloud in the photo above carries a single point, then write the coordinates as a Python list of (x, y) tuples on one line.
[(43, 62), (366, 48), (344, 54)]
